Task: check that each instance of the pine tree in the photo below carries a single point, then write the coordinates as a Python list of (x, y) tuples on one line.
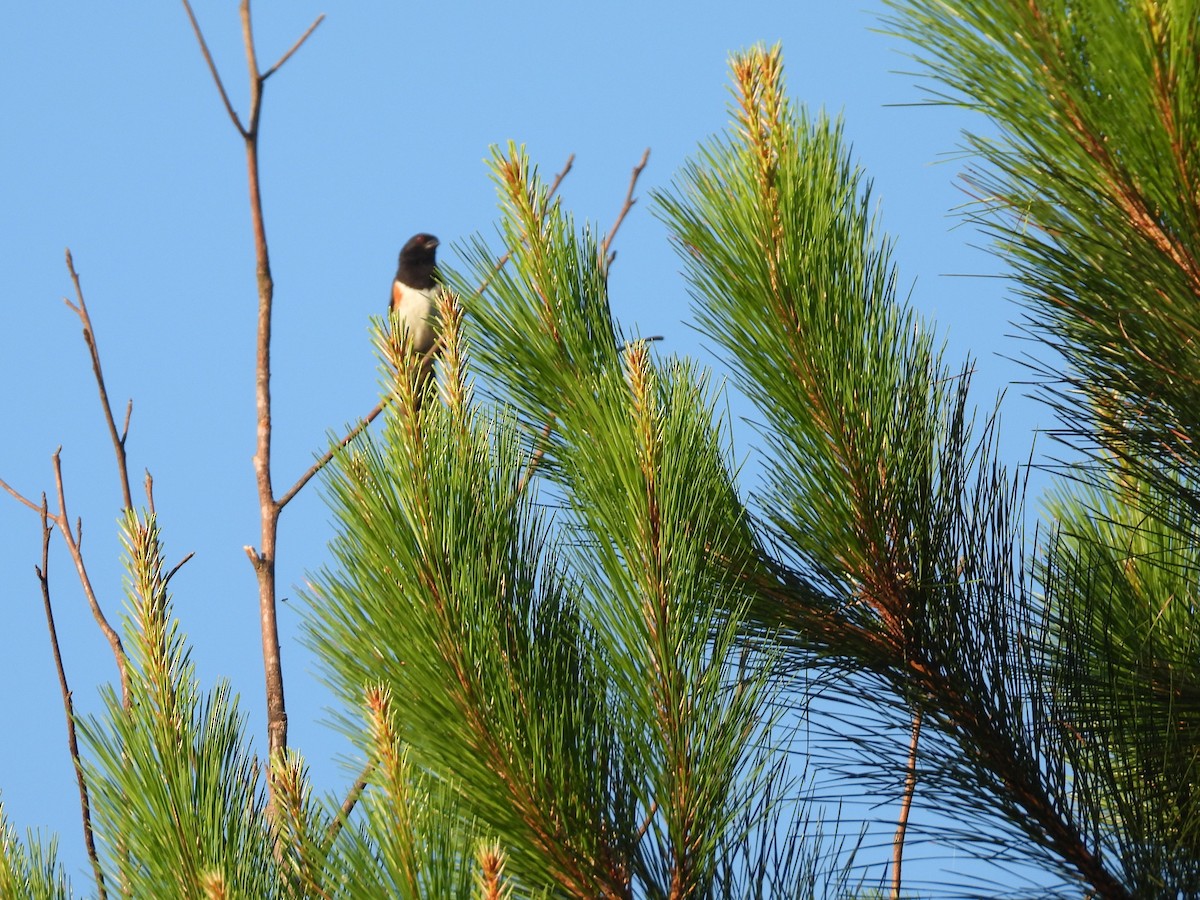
[(570, 639)]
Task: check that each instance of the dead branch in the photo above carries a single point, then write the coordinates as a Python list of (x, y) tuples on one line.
[(262, 559), (89, 336), (325, 459), (605, 259), (73, 542), (43, 574), (352, 798)]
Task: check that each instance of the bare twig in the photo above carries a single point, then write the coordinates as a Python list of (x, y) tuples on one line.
[(324, 460), (605, 259), (212, 68), (73, 542), (352, 798), (43, 574), (89, 336), (179, 565), (910, 787), (21, 498), (296, 46)]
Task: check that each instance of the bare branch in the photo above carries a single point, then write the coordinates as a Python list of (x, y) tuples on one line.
[(352, 798), (179, 565), (605, 258), (89, 337), (19, 497), (212, 67), (324, 460), (256, 79), (73, 546), (43, 574), (910, 787), (296, 46), (558, 179)]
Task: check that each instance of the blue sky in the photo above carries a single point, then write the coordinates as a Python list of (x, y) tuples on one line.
[(116, 145)]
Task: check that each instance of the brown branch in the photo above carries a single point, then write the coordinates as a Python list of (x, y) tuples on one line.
[(296, 46), (352, 798), (325, 459), (262, 559), (212, 68), (73, 542), (910, 788), (89, 337), (43, 574), (605, 260), (19, 497)]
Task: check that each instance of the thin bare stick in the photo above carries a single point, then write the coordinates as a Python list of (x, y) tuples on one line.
[(296, 46), (19, 497), (324, 460), (212, 68), (910, 788), (179, 565), (89, 337), (43, 574), (605, 261), (352, 798), (73, 542)]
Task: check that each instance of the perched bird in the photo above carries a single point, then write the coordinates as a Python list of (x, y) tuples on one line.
[(414, 299)]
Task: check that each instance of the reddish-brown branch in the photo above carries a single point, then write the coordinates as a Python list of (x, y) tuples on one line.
[(89, 336), (910, 788), (605, 261), (43, 574)]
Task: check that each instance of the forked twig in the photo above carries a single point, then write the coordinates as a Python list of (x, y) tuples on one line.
[(264, 558), (73, 540)]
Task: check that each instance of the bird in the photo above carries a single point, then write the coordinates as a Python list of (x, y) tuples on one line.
[(413, 304)]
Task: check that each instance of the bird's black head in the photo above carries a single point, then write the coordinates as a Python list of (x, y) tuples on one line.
[(418, 261)]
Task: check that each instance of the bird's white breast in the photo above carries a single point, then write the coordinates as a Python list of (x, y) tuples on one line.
[(416, 310)]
